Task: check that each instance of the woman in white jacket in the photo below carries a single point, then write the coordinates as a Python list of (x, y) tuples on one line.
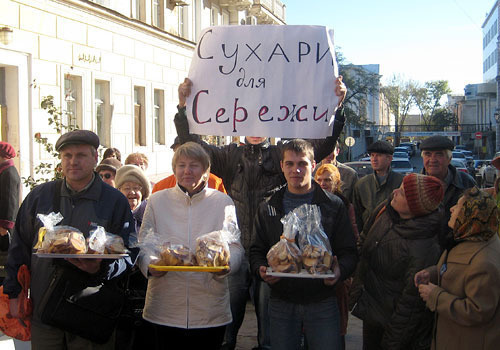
[(189, 310)]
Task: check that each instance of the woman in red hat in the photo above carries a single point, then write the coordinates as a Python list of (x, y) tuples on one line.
[(399, 239), (9, 199)]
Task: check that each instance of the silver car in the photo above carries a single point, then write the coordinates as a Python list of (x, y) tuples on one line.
[(402, 166)]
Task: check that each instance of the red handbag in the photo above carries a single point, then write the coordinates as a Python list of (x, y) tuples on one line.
[(18, 328)]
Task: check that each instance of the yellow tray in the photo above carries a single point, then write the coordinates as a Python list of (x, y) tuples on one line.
[(190, 268)]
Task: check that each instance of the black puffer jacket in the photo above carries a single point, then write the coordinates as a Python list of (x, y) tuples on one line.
[(251, 172), (393, 251)]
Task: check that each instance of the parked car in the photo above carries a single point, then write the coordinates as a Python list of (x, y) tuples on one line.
[(403, 149), (402, 155), (361, 167), (402, 166), (461, 147), (411, 146), (478, 173), (459, 165)]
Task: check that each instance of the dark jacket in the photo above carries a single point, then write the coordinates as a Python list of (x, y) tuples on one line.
[(251, 172), (9, 205), (268, 229), (100, 205), (460, 181), (393, 250), (349, 177), (368, 194)]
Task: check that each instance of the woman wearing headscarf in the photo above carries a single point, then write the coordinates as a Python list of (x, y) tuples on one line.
[(328, 177), (463, 289), (401, 238), (9, 199)]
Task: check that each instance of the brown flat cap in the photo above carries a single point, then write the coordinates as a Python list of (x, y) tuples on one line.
[(437, 142), (78, 137), (111, 164)]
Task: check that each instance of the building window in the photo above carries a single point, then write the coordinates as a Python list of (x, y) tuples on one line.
[(197, 19), (159, 117), (137, 9), (102, 110), (139, 116), (73, 101), (214, 21), (183, 21), (157, 7)]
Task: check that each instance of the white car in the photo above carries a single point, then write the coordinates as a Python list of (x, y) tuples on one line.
[(402, 155)]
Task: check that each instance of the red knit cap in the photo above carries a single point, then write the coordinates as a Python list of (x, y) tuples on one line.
[(423, 193), (6, 150)]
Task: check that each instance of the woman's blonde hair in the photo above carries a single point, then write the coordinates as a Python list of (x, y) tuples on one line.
[(335, 175), (194, 151)]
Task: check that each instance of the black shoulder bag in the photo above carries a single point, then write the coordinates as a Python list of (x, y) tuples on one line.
[(80, 303)]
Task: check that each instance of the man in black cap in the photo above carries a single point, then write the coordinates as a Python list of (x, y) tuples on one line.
[(436, 152), (372, 189), (85, 202)]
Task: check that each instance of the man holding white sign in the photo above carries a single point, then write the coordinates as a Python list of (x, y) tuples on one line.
[(251, 171)]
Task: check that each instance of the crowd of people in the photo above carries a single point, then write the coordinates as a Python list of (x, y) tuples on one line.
[(415, 257)]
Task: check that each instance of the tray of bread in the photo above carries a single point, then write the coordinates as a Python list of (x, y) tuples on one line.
[(301, 274), (209, 256), (80, 256), (189, 268)]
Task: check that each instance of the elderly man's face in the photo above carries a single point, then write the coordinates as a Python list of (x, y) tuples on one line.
[(436, 163)]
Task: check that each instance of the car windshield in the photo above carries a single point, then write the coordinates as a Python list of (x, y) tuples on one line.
[(399, 164), (457, 163), (458, 155), (400, 155)]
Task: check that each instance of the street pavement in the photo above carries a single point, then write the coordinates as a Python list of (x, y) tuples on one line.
[(247, 336)]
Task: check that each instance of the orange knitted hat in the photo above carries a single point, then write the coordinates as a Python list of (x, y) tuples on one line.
[(423, 193)]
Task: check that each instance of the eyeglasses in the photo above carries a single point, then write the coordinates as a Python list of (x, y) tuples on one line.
[(128, 189), (105, 176)]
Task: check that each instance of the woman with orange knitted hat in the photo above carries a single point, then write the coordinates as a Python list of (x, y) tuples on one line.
[(399, 239)]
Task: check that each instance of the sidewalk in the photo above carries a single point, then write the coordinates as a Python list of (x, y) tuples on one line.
[(247, 336)]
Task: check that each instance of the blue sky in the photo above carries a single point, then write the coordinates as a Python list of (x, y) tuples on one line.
[(422, 40)]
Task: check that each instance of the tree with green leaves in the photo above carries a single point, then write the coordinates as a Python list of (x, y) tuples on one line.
[(400, 98), (428, 101), (47, 171), (360, 83)]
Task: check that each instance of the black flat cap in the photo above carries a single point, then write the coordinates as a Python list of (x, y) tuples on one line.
[(78, 137), (436, 143), (380, 147)]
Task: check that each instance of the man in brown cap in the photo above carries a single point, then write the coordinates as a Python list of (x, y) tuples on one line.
[(85, 203), (372, 189), (436, 152)]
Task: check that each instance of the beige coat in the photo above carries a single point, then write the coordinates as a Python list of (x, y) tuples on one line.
[(187, 299), (467, 300)]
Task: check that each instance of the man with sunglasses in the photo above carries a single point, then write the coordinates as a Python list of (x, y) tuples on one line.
[(107, 170)]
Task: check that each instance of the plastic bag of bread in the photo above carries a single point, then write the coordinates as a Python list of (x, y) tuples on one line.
[(317, 256), (212, 249), (285, 256), (59, 239), (102, 242), (175, 255)]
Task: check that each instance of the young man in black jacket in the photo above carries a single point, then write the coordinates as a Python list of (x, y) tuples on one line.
[(303, 304)]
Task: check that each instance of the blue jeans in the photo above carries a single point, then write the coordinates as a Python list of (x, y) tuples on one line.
[(319, 321), (242, 285)]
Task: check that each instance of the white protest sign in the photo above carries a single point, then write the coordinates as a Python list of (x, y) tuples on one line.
[(263, 80)]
